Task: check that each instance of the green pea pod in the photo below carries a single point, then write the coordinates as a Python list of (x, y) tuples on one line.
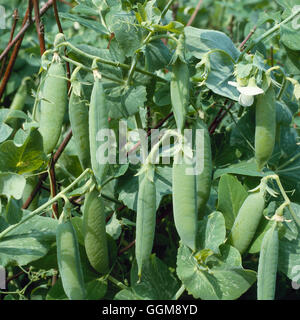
[(94, 231), (145, 221), (18, 102), (98, 119), (267, 265), (79, 119), (69, 263), (204, 179), (179, 88), (184, 194), (265, 130), (53, 105), (246, 222)]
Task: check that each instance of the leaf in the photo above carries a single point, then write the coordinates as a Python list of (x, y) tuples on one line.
[(231, 195), (28, 242), (222, 278), (221, 71), (157, 282), (200, 41), (26, 158), (91, 24), (245, 168), (13, 213), (211, 232), (157, 56), (12, 185), (127, 32)]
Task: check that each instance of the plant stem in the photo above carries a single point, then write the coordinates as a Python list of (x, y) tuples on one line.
[(45, 205), (117, 283), (268, 33), (109, 62), (179, 293)]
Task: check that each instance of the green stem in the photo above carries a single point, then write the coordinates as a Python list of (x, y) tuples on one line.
[(111, 63), (179, 293), (163, 36), (166, 8), (117, 283), (268, 33), (45, 205)]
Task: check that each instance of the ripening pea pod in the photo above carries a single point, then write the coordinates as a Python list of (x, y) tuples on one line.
[(53, 104), (98, 120), (145, 220), (204, 176), (94, 232), (180, 85), (265, 127), (79, 120), (267, 265), (69, 263), (184, 196), (247, 221), (18, 102)]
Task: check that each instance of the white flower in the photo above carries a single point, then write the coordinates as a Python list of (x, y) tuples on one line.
[(246, 97)]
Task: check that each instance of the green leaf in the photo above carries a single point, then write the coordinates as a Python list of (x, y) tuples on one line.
[(231, 195), (222, 278), (26, 158), (12, 185), (28, 242), (157, 282), (211, 232), (91, 24), (221, 71), (157, 55), (245, 168), (200, 41), (13, 213)]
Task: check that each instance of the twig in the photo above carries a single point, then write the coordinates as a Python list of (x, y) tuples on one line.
[(12, 59), (38, 26), (23, 30), (192, 18), (13, 28), (241, 47)]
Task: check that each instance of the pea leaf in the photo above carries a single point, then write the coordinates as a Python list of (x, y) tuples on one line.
[(221, 278), (211, 232), (231, 195), (26, 158), (12, 185), (200, 41), (28, 242)]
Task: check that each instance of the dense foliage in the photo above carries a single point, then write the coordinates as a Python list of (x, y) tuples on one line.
[(72, 227)]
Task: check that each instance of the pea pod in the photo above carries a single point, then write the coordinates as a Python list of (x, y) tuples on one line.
[(18, 101), (145, 220), (53, 104), (79, 119), (98, 119), (69, 263), (267, 265), (204, 179), (247, 220), (265, 130), (184, 195), (94, 232), (179, 89)]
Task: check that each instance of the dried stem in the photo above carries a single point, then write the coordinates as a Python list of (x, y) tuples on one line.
[(13, 28), (20, 34), (12, 59), (38, 26), (192, 18)]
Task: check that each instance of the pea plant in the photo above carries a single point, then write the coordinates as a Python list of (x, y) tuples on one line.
[(149, 150)]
